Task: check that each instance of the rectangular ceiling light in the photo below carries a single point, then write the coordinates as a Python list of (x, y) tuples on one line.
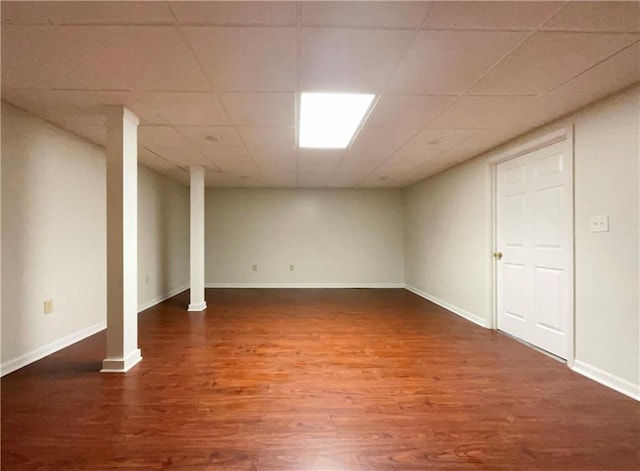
[(330, 120)]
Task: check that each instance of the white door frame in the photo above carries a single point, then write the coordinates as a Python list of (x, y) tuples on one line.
[(559, 135)]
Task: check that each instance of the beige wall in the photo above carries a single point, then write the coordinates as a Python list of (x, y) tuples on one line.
[(163, 237), (53, 236), (607, 181), (339, 237), (448, 237), (54, 240)]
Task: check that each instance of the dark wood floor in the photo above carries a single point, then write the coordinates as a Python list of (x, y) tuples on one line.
[(311, 380)]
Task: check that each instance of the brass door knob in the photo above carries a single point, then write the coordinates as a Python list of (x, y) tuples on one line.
[(498, 255)]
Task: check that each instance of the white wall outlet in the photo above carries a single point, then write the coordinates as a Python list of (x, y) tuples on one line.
[(146, 279), (255, 267), (599, 224), (292, 267), (48, 306)]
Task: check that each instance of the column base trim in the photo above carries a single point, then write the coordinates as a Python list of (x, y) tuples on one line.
[(197, 307), (121, 365)]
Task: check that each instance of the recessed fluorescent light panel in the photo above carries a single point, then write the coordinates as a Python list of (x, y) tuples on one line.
[(330, 120)]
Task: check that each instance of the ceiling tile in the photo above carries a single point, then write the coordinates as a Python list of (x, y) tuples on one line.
[(222, 180), (449, 62), (154, 161), (235, 13), (60, 107), (227, 156), (364, 14), (315, 158), (345, 179), (243, 168), (452, 148), (279, 173), (89, 104), (372, 147), (490, 15), (268, 137), (281, 180), (160, 136), (378, 183), (476, 145), (375, 143), (26, 13), (615, 73), (92, 57), (96, 133), (402, 161), (177, 108), (481, 112), (213, 137), (542, 110), (407, 111), (426, 170), (546, 60), (250, 182), (181, 155), (316, 166), (79, 13), (597, 16), (249, 52), (313, 179), (288, 159), (439, 138), (271, 162), (349, 60), (260, 109), (245, 58)]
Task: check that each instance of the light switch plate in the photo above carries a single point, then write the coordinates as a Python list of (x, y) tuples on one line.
[(599, 224)]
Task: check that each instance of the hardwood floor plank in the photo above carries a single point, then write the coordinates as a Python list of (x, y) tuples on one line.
[(314, 380)]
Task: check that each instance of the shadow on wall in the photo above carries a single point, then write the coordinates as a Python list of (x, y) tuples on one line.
[(16, 237), (164, 244), (176, 222)]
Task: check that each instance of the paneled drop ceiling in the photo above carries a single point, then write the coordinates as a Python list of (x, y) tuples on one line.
[(217, 83)]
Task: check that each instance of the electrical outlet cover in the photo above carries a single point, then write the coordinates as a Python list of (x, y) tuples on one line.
[(599, 224), (48, 306)]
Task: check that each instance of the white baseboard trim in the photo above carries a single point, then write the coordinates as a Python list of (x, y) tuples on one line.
[(449, 307), (607, 379), (304, 285), (39, 353), (197, 307), (12, 365), (121, 365), (164, 297)]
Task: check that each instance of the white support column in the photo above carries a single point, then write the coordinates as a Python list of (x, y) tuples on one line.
[(197, 302), (122, 241)]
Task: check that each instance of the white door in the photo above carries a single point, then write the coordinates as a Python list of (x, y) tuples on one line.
[(534, 256)]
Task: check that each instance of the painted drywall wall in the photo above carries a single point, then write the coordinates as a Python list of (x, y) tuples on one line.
[(0, 242), (607, 265), (54, 233), (53, 237), (163, 237), (332, 237), (448, 237)]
